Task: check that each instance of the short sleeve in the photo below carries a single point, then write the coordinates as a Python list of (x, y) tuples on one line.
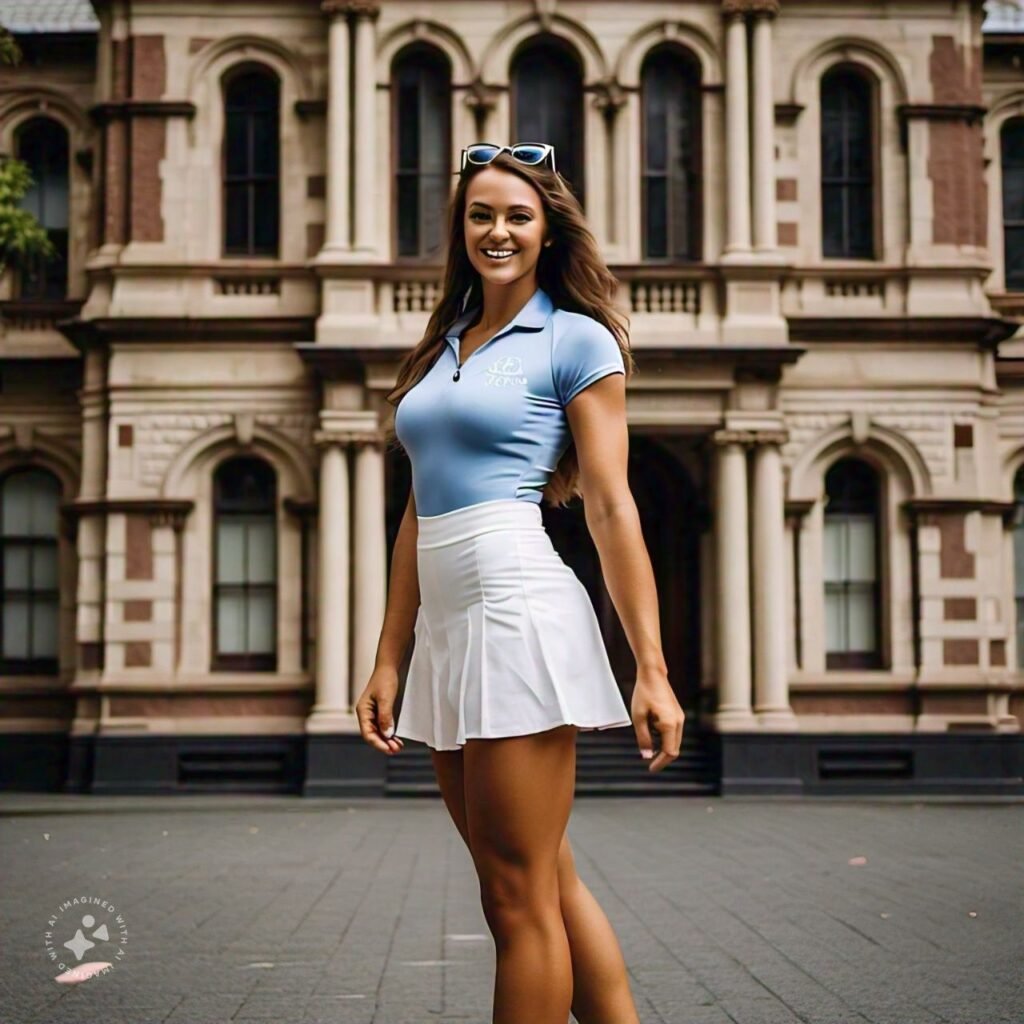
[(584, 351)]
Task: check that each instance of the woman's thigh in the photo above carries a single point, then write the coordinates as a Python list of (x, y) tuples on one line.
[(518, 797)]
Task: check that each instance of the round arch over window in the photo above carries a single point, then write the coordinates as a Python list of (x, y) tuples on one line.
[(42, 143), (671, 145), (252, 161), (245, 565), (29, 577), (848, 162), (853, 610), (547, 104), (421, 110)]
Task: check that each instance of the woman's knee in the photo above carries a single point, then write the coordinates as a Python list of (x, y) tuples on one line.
[(513, 891)]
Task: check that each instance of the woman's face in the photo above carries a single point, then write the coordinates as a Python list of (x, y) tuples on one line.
[(504, 224)]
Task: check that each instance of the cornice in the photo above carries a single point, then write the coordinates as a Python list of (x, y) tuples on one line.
[(733, 8), (925, 508), (351, 8), (103, 113)]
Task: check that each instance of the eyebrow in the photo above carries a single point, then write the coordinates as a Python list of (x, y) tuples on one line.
[(517, 206)]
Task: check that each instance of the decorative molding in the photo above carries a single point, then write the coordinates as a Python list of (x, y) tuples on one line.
[(731, 436), (787, 113), (984, 331), (779, 436), (159, 511), (923, 510), (346, 436), (82, 333), (480, 97), (305, 109), (769, 8), (351, 8), (103, 113), (245, 428), (941, 112), (609, 96)]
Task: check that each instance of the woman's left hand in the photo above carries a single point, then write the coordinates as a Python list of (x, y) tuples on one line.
[(654, 704)]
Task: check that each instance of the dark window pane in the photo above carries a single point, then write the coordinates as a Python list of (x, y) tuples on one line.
[(236, 151), (1015, 258), (1012, 142), (547, 91), (847, 165), (236, 217), (265, 216), (422, 105), (264, 143), (657, 218)]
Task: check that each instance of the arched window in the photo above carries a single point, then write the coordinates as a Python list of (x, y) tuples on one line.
[(29, 609), (1018, 561), (547, 105), (852, 586), (847, 165), (421, 106), (252, 144), (1012, 146), (42, 144), (245, 561), (670, 92)]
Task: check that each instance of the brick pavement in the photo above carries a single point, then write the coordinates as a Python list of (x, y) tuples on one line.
[(367, 912)]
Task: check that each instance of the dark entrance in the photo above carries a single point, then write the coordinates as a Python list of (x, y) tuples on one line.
[(672, 518)]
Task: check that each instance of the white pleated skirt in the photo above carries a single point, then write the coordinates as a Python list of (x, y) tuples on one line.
[(506, 642)]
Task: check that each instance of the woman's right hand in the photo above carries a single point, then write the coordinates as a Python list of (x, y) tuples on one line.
[(374, 710)]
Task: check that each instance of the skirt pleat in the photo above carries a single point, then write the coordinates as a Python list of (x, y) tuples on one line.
[(506, 641)]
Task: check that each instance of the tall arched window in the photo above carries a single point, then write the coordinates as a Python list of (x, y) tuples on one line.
[(421, 107), (42, 144), (1018, 561), (1012, 147), (547, 105), (245, 561), (847, 165), (252, 177), (30, 595), (852, 584), (670, 92)]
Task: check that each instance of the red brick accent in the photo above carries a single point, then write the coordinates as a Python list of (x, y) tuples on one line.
[(955, 561), (125, 435), (851, 703), (959, 608), (963, 435), (138, 611), (138, 562), (115, 149), (316, 186), (149, 144), (788, 233), (151, 706), (997, 653), (956, 160), (959, 651), (36, 707), (138, 654), (149, 68), (785, 189), (954, 704)]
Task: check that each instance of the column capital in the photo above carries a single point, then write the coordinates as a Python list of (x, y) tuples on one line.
[(778, 437), (355, 8), (481, 97), (323, 439), (767, 8), (609, 96), (728, 436)]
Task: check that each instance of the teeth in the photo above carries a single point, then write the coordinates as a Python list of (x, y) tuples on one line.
[(499, 253)]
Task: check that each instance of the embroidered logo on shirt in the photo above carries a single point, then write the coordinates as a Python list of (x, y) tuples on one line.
[(505, 372)]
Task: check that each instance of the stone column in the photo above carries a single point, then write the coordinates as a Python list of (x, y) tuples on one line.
[(771, 685), (737, 128), (732, 594), (370, 558), (367, 159), (338, 127), (332, 710), (764, 128)]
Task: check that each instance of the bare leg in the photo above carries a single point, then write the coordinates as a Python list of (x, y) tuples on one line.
[(601, 993)]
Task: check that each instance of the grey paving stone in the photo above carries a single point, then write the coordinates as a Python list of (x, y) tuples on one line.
[(367, 912)]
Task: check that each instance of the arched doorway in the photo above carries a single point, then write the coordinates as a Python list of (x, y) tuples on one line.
[(672, 518)]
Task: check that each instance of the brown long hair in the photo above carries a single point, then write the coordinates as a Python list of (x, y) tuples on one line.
[(570, 270)]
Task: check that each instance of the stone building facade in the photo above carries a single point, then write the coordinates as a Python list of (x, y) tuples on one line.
[(815, 211)]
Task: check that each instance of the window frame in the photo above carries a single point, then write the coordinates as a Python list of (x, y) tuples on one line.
[(250, 180), (869, 84), (856, 659), (248, 662), (695, 218), (48, 666), (1018, 583), (1017, 285), (424, 54)]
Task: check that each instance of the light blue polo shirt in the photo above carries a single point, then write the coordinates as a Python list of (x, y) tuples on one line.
[(499, 430)]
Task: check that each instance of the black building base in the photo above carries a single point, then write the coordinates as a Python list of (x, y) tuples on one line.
[(342, 765), (871, 763)]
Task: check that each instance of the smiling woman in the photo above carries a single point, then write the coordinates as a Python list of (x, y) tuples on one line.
[(516, 394)]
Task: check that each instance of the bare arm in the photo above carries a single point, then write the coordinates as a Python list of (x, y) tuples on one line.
[(375, 706), (597, 418)]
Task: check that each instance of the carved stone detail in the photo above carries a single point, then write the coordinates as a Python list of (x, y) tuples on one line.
[(480, 97), (733, 8), (353, 8), (609, 96)]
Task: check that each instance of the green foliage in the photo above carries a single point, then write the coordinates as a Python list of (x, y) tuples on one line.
[(10, 52)]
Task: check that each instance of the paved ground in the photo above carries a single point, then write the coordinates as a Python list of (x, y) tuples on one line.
[(728, 910)]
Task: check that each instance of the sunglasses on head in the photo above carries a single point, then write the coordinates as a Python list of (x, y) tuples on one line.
[(531, 153)]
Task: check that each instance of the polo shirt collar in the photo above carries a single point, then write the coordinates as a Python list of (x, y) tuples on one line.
[(533, 316)]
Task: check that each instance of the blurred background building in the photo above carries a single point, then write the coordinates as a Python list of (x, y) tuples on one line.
[(815, 211)]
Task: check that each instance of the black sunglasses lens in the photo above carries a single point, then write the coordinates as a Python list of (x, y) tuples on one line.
[(481, 154), (529, 154)]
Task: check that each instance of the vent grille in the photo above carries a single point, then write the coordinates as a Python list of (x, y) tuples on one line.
[(865, 763)]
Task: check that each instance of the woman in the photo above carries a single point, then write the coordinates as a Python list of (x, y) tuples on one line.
[(508, 662)]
